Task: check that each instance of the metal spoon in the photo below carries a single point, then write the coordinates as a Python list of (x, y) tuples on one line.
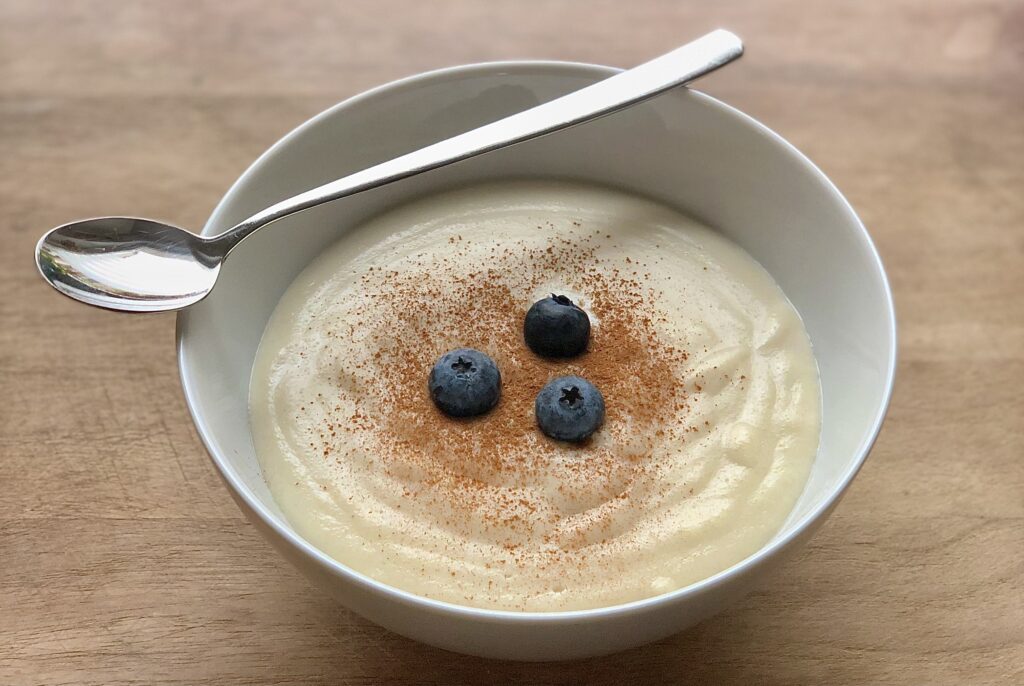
[(141, 265)]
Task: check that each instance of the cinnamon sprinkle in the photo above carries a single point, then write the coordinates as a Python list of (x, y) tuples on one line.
[(460, 469)]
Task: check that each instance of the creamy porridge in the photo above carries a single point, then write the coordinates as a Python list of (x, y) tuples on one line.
[(711, 392)]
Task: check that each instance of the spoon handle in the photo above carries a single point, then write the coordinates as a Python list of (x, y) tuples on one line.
[(682, 65)]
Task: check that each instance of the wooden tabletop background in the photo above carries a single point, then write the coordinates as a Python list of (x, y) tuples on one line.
[(124, 561)]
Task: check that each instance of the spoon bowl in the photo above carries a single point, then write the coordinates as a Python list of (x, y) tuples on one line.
[(126, 263)]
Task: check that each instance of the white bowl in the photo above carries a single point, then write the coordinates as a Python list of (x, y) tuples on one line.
[(683, 148)]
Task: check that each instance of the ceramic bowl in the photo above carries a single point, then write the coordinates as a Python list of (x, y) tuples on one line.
[(683, 148)]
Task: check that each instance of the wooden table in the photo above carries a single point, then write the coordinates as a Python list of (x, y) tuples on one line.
[(122, 558)]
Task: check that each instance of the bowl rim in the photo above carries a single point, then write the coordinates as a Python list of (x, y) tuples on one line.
[(736, 570)]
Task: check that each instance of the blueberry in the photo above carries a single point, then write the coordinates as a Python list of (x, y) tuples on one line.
[(464, 383), (556, 327), (569, 408)]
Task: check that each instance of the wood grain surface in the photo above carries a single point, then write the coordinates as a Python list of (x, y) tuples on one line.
[(124, 561)]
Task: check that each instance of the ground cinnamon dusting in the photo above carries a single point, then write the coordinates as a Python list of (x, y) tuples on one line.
[(457, 468)]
